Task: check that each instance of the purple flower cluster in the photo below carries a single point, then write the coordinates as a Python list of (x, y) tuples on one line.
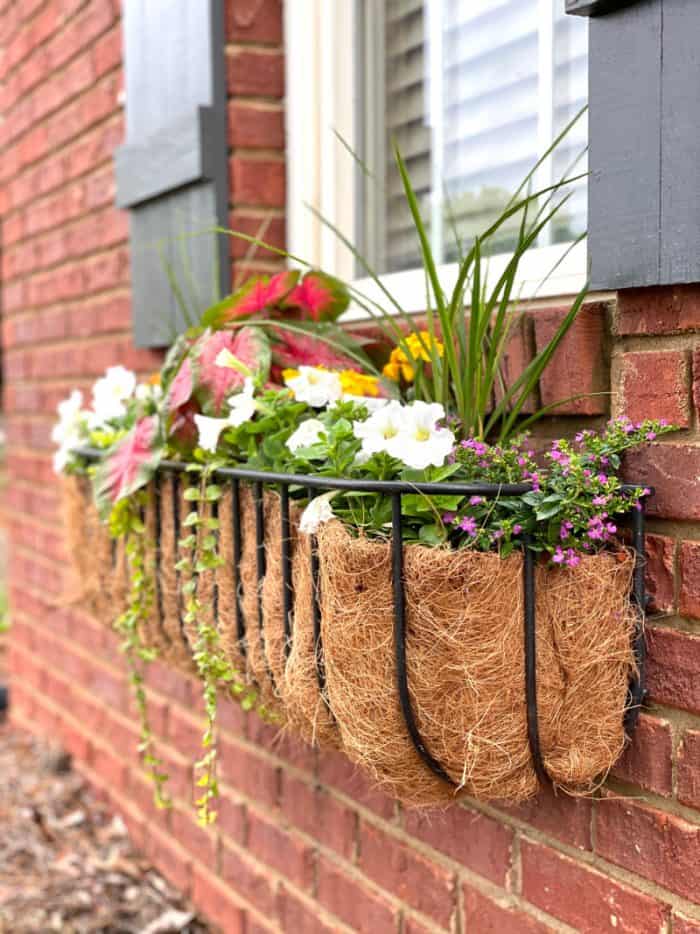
[(569, 557)]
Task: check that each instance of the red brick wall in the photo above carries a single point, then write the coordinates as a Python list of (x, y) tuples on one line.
[(302, 843)]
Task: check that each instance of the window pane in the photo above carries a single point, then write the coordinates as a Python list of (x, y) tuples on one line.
[(474, 91)]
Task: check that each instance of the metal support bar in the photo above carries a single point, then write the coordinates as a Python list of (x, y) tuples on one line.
[(157, 502), (530, 643), (237, 552), (286, 556), (637, 693), (400, 642)]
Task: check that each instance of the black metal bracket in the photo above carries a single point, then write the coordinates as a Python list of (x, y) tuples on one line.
[(595, 7), (395, 489)]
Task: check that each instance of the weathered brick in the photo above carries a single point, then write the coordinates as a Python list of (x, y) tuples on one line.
[(247, 773), (578, 366), (266, 227), (549, 880), (672, 470), (656, 845), (258, 181), (338, 772), (672, 668), (255, 126), (397, 868), (476, 841), (254, 21), (486, 916), (654, 384), (646, 761), (684, 925), (659, 572), (689, 769), (298, 915), (222, 907), (255, 73), (353, 902), (196, 840), (561, 816), (280, 849), (249, 880), (689, 597), (318, 814), (665, 310)]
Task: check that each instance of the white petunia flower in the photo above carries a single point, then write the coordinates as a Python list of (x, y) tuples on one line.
[(316, 513), (242, 407), (315, 386), (306, 434), (209, 431), (67, 433), (110, 393), (379, 430), (420, 443), (145, 392)]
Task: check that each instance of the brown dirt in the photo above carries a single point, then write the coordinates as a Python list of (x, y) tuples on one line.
[(66, 864)]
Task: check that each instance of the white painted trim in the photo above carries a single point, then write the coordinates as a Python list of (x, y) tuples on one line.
[(409, 288), (320, 38)]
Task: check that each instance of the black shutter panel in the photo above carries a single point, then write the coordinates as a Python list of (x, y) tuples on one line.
[(172, 171)]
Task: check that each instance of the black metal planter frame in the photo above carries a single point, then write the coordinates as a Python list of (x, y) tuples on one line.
[(396, 489)]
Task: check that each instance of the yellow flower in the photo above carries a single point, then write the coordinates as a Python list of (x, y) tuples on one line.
[(289, 374), (357, 384), (419, 345)]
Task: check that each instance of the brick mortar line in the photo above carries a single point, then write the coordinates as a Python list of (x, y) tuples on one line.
[(265, 102), (624, 791), (592, 860), (65, 23), (67, 343), (264, 48), (59, 153), (68, 226), (54, 114), (73, 259), (67, 306), (639, 343), (56, 75)]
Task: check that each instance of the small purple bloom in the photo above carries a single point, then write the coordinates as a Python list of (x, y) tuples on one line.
[(476, 500), (602, 478), (448, 518), (651, 435), (517, 528), (468, 525)]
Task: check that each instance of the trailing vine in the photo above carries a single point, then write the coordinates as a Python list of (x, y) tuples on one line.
[(126, 522), (200, 556)]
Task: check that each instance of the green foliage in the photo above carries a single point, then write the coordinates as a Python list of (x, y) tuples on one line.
[(126, 521), (200, 557)]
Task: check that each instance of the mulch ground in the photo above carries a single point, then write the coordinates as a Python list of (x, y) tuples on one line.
[(66, 863)]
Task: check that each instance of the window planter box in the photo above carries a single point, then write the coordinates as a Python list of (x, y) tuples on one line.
[(441, 672)]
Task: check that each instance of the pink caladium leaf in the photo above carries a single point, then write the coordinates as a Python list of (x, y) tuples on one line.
[(319, 297), (182, 385), (131, 463), (294, 350), (215, 383), (256, 297)]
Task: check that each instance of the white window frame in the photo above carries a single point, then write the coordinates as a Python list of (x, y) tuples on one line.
[(322, 105)]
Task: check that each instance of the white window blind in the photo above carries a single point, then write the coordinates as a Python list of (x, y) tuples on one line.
[(473, 92)]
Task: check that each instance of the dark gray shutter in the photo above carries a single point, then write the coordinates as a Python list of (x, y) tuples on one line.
[(172, 171), (644, 158)]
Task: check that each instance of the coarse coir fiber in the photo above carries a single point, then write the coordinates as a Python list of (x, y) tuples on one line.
[(465, 664)]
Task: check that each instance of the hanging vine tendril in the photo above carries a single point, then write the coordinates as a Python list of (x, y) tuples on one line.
[(126, 521)]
